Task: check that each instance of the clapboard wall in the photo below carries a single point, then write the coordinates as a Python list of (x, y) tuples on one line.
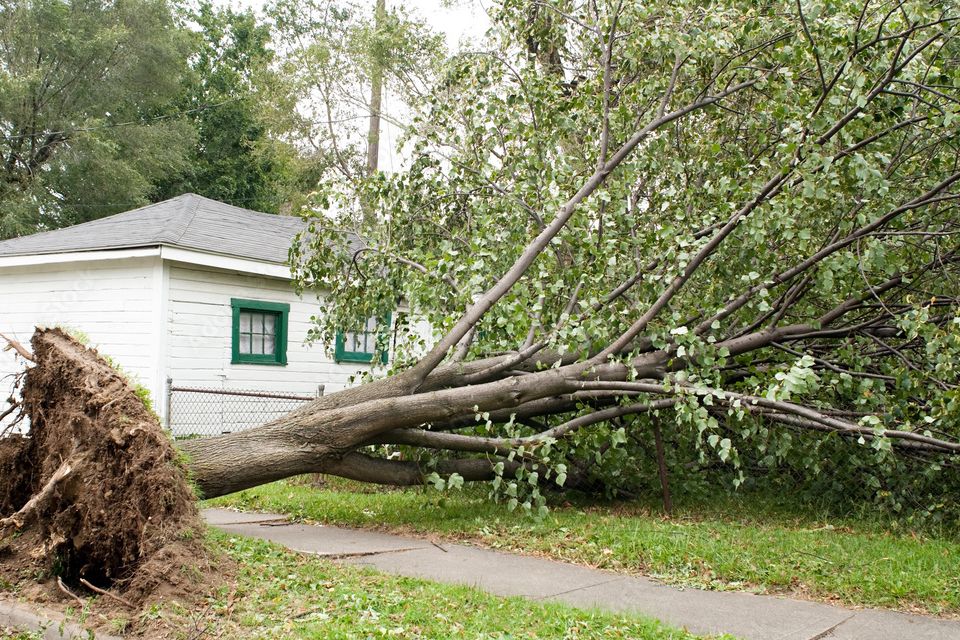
[(115, 304), (163, 319)]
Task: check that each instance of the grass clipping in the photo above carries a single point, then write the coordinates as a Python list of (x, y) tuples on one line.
[(94, 492)]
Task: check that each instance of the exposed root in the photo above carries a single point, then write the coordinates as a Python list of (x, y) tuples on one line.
[(104, 592), (16, 346), (94, 492), (71, 594), (13, 407), (16, 486), (42, 498)]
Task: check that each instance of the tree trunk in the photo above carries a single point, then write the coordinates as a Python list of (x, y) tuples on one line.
[(322, 437), (376, 93)]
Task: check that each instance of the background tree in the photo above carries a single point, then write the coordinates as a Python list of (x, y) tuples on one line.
[(734, 223), (83, 130), (376, 92), (232, 96), (333, 52)]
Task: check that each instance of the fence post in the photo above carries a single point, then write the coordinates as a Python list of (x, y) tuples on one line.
[(320, 388), (169, 403)]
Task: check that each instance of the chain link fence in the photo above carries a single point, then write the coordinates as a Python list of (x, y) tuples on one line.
[(198, 412)]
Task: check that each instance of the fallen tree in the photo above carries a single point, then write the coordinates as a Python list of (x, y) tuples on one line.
[(754, 262), (757, 244)]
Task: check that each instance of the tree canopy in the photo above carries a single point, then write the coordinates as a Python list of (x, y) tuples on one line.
[(83, 127), (108, 105), (733, 222), (330, 52), (232, 96)]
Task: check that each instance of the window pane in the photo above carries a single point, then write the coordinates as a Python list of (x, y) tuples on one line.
[(258, 333), (369, 342), (269, 344)]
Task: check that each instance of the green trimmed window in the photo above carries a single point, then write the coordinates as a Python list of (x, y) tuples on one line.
[(259, 332), (360, 346)]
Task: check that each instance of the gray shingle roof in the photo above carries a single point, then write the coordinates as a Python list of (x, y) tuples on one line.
[(187, 222)]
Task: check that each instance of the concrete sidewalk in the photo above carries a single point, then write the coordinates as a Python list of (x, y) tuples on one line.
[(48, 624), (744, 615)]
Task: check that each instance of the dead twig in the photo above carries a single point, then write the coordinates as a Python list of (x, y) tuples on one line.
[(104, 592), (19, 348), (198, 619), (63, 588)]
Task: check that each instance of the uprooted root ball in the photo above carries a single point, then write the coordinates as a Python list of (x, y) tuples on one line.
[(95, 490)]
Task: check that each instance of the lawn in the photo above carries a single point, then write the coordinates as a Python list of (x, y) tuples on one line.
[(744, 543), (277, 593), (283, 594)]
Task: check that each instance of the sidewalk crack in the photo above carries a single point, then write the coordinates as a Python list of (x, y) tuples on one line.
[(357, 554), (826, 633), (272, 522), (588, 586)]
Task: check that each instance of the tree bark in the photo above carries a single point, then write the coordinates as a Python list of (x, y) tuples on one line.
[(376, 94)]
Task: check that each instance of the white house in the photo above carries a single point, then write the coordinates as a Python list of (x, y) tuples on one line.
[(190, 290)]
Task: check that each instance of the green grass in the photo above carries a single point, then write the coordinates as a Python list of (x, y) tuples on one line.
[(280, 594), (744, 543), (7, 633)]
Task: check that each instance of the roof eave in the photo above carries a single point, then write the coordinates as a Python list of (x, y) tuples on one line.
[(226, 262), (163, 251), (65, 257)]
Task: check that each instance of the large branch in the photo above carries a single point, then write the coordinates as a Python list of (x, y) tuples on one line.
[(745, 401), (503, 446), (357, 466), (476, 311)]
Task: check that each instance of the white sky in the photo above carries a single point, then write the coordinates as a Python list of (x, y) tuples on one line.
[(466, 19), (459, 20)]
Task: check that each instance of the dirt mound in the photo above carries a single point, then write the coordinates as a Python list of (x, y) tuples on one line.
[(95, 491)]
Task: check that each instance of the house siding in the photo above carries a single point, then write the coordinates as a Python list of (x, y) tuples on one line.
[(161, 319), (198, 344), (112, 302)]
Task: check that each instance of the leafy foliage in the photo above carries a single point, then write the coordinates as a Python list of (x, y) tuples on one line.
[(82, 91), (231, 97), (760, 254), (329, 51)]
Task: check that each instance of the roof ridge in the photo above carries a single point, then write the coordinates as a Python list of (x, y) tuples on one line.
[(190, 198), (243, 210)]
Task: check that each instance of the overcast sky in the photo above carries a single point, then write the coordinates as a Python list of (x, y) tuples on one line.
[(455, 18)]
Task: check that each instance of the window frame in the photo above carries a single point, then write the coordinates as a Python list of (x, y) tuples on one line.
[(340, 353), (281, 310)]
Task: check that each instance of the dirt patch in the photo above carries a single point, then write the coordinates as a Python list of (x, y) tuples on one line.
[(16, 473), (95, 492)]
